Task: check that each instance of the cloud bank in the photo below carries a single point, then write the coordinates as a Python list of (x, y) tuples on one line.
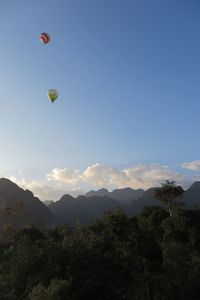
[(193, 165), (60, 181)]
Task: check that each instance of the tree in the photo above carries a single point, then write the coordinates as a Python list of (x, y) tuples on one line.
[(57, 290), (168, 194), (11, 214)]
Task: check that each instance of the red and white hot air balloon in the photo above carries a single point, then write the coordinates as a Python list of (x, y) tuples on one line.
[(45, 38)]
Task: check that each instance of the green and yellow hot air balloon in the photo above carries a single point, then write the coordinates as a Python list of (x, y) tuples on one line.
[(52, 95)]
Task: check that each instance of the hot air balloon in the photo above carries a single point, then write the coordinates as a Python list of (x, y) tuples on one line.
[(52, 95), (45, 38)]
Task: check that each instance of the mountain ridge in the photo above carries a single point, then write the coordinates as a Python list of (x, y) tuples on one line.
[(22, 207), (123, 195), (83, 208)]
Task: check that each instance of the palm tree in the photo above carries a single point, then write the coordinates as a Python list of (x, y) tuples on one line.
[(168, 194)]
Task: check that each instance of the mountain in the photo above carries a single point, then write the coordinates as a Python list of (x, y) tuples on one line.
[(125, 196), (100, 193), (191, 197), (147, 199), (20, 207), (48, 202), (81, 209)]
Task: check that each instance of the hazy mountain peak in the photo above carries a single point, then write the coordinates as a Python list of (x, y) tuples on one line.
[(123, 189), (195, 185), (29, 193), (103, 190), (7, 183), (66, 197), (32, 211), (123, 195)]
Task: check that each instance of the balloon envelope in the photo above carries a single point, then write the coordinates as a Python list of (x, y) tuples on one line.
[(45, 38), (52, 95)]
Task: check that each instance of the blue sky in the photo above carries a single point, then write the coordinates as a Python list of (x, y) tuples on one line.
[(128, 76)]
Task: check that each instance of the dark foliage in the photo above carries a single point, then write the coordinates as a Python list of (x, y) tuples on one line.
[(151, 256)]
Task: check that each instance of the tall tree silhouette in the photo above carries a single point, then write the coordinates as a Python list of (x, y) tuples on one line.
[(168, 194)]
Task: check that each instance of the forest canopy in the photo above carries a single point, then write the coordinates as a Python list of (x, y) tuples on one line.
[(149, 256)]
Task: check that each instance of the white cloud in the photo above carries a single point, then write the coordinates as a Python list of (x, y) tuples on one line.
[(99, 175), (192, 165), (196, 177), (45, 191), (68, 176), (155, 174), (73, 181), (42, 190), (139, 176)]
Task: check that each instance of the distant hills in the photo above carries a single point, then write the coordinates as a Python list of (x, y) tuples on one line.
[(125, 196), (82, 209), (20, 207), (48, 202), (191, 197), (146, 199)]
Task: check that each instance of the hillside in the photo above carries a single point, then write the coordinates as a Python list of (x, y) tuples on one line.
[(125, 195), (81, 209), (20, 207)]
